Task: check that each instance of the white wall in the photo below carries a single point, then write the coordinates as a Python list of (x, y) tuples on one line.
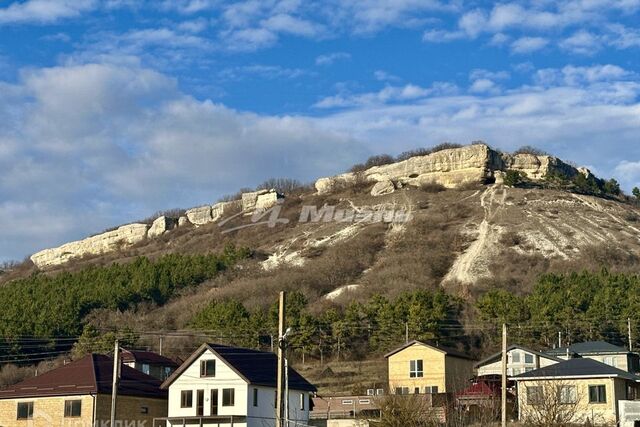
[(629, 412), (190, 380), (261, 416), (515, 368)]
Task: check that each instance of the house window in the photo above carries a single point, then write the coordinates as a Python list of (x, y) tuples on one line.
[(228, 396), (379, 392), (364, 401), (568, 394), (431, 389), (371, 392), (402, 390), (515, 357), (347, 402), (208, 368), (166, 372), (72, 408), (597, 394), (302, 401), (528, 358), (144, 410), (255, 397), (145, 368), (534, 395), (610, 360), (25, 410), (186, 399), (415, 369)]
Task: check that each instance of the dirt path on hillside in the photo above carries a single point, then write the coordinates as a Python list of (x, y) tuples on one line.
[(474, 262)]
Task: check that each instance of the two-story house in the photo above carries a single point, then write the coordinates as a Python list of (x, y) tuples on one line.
[(577, 391), (519, 360), (607, 353), (79, 394), (225, 386), (148, 362), (422, 368)]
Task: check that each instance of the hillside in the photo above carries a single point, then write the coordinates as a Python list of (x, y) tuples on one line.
[(419, 245)]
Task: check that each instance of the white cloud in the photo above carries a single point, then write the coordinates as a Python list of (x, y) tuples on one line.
[(385, 76), (330, 58), (44, 11), (525, 45), (577, 76), (263, 71), (582, 42), (96, 145), (387, 94), (628, 173)]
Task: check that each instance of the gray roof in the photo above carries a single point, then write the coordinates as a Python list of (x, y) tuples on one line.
[(498, 356), (577, 368), (591, 347)]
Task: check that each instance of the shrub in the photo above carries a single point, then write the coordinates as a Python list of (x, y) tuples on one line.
[(432, 187), (514, 178), (511, 238), (632, 217), (426, 151), (378, 160), (527, 149), (636, 192), (282, 185)]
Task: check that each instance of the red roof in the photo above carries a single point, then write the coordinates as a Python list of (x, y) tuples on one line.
[(480, 388), (93, 374)]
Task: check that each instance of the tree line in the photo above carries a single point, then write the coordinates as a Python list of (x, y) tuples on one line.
[(49, 307)]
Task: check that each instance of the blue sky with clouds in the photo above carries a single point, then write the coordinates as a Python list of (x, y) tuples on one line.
[(111, 110)]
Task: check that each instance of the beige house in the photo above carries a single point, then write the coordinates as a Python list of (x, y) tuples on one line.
[(575, 391), (421, 368), (79, 395)]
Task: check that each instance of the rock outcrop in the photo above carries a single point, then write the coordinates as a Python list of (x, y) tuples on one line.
[(451, 168), (262, 199), (161, 225), (126, 235), (206, 214)]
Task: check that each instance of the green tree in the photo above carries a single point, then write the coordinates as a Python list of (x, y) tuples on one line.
[(636, 192), (514, 178)]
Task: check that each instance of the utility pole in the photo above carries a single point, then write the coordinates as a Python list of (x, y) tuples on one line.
[(115, 382), (161, 342), (559, 339), (504, 375), (630, 338), (281, 361), (406, 332)]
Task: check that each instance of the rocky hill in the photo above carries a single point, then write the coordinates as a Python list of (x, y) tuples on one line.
[(440, 230), (543, 218)]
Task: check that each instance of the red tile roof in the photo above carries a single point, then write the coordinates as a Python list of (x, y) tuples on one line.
[(91, 374)]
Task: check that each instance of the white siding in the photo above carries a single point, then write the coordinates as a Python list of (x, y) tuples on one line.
[(517, 365), (261, 416), (190, 380)]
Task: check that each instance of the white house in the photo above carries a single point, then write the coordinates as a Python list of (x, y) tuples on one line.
[(225, 386), (604, 352), (519, 360)]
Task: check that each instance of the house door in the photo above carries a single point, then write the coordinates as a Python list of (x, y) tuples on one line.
[(214, 402), (200, 403)]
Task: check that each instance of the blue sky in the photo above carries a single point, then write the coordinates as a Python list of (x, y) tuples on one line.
[(111, 110)]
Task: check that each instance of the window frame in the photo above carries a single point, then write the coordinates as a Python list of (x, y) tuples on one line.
[(255, 397), (228, 397), (69, 406), (601, 398), (539, 395), (573, 394), (204, 368), (30, 408), (515, 357), (530, 357), (188, 396), (416, 368), (302, 396)]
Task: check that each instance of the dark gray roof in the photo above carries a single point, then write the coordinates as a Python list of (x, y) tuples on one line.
[(447, 350), (577, 368), (497, 356), (591, 347), (256, 367)]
